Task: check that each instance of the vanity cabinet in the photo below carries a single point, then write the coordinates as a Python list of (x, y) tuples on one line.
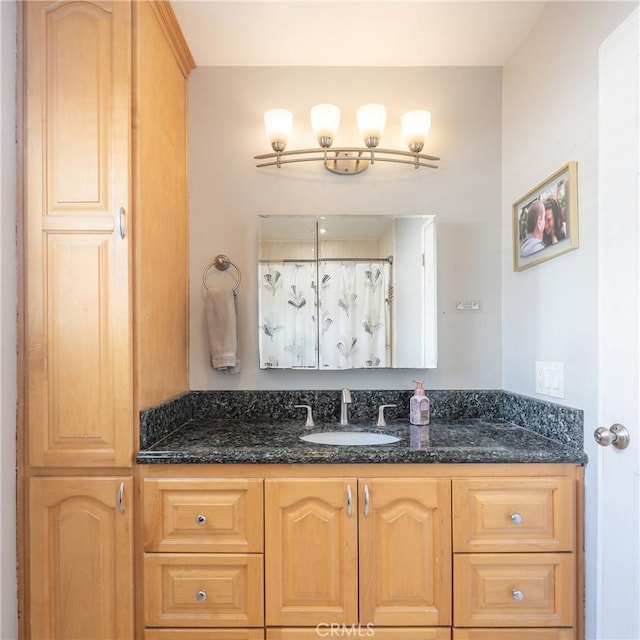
[(391, 551), (104, 314)]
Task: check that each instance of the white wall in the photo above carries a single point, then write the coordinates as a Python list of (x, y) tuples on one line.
[(8, 601), (550, 311), (228, 192)]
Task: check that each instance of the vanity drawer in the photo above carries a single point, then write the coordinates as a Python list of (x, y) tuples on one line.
[(217, 515), (203, 634), (203, 590), (514, 634), (359, 631), (513, 514), (514, 590)]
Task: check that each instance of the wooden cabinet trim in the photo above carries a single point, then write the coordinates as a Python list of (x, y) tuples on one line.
[(447, 471)]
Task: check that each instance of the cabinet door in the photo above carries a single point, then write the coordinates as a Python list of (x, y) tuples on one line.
[(311, 552), (405, 551), (81, 558), (78, 336)]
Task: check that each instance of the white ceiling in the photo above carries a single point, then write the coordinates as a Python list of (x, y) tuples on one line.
[(355, 32)]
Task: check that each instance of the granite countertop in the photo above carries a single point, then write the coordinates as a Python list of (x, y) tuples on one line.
[(465, 440)]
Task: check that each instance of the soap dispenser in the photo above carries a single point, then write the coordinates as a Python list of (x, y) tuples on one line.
[(419, 413)]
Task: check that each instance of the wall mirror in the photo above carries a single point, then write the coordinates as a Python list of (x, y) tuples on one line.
[(347, 292)]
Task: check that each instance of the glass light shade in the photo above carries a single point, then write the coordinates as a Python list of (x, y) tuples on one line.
[(371, 120), (325, 119), (415, 128), (279, 125)]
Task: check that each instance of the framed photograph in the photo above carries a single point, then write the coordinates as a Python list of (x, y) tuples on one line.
[(545, 220)]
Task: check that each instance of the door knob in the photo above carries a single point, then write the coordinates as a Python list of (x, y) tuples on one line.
[(617, 435)]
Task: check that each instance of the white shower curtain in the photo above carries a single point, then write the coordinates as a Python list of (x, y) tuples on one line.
[(354, 314), (288, 335), (354, 326)]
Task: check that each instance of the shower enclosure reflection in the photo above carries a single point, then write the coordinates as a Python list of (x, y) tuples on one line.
[(347, 292)]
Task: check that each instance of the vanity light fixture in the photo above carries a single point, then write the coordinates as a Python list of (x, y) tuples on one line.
[(325, 119)]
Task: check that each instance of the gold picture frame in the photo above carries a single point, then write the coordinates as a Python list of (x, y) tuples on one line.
[(545, 219)]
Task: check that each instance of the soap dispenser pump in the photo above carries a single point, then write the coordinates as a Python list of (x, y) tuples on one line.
[(419, 413)]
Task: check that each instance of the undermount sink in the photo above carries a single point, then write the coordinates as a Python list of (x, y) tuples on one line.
[(349, 437)]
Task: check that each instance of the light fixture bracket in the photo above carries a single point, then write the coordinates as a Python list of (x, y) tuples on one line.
[(347, 162)]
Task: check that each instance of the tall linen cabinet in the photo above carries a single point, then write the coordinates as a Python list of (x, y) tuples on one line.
[(103, 244)]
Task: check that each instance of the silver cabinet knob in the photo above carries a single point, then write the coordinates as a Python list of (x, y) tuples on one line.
[(201, 519), (201, 596), (617, 435), (516, 518), (517, 595)]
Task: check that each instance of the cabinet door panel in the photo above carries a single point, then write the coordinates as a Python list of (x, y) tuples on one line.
[(310, 552), (81, 419), (405, 551), (81, 558)]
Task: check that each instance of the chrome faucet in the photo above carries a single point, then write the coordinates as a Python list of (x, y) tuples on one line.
[(345, 401)]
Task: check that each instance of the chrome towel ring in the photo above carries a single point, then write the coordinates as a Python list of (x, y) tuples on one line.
[(221, 263)]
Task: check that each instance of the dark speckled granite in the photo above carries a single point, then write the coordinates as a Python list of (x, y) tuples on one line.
[(159, 421), (264, 427)]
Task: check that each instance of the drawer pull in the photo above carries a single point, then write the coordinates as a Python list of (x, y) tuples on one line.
[(517, 595), (516, 518), (201, 519), (349, 501), (201, 596)]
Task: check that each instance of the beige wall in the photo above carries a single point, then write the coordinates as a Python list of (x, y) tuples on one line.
[(228, 192), (8, 603)]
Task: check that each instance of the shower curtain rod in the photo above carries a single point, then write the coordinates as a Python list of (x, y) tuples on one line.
[(388, 259)]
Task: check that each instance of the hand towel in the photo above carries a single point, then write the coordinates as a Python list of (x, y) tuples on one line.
[(220, 306)]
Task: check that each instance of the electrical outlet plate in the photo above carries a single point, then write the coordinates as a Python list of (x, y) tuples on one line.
[(550, 379)]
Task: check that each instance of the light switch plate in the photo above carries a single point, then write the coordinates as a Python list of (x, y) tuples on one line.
[(550, 379)]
